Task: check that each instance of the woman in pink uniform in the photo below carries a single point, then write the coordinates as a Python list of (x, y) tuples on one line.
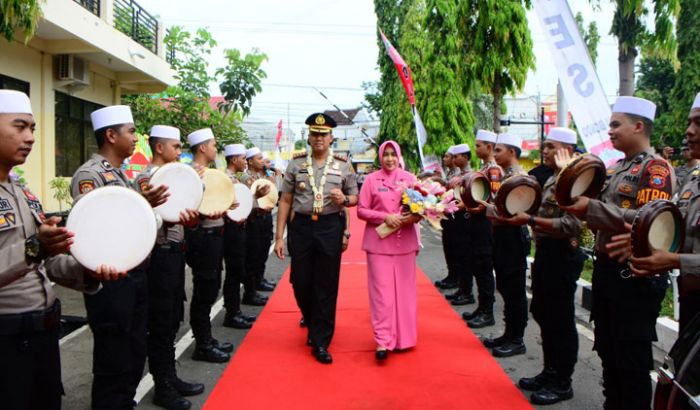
[(391, 262)]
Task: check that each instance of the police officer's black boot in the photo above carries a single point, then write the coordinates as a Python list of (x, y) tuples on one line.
[(494, 342), (236, 321), (167, 396), (254, 299), (185, 388), (208, 352), (463, 299), (483, 319), (512, 347), (556, 391), (537, 382)]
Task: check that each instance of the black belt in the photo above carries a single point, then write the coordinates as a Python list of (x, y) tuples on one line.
[(217, 230), (171, 247), (31, 322), (259, 212), (318, 217)]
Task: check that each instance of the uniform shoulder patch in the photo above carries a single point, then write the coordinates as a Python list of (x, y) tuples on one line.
[(299, 155), (86, 185), (340, 158)]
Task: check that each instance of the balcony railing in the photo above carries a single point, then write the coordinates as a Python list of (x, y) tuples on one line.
[(93, 6), (132, 20), (169, 50)]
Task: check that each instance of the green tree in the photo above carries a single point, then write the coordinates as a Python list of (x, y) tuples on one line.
[(633, 33), (590, 35), (498, 47), (373, 97), (19, 14), (242, 80), (191, 63)]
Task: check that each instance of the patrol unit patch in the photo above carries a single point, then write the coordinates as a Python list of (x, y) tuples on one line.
[(650, 194), (86, 185), (625, 188), (5, 205)]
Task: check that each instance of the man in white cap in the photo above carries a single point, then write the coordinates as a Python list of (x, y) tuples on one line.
[(235, 249), (205, 252), (32, 255), (625, 308), (119, 329), (479, 248), (258, 230), (461, 157), (451, 280), (166, 281), (557, 267), (510, 251)]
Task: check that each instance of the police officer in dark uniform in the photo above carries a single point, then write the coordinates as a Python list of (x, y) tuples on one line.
[(625, 308), (119, 328), (557, 267), (447, 224), (235, 249), (317, 186), (205, 252), (166, 282), (460, 231), (32, 250), (510, 250), (479, 243)]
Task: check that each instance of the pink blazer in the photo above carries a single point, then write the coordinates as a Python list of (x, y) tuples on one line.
[(378, 198)]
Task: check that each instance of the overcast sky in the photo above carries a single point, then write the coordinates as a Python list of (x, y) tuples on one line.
[(331, 45)]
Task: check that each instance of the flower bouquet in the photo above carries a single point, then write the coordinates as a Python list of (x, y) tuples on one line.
[(428, 199)]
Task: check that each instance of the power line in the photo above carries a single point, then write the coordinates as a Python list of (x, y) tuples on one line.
[(313, 87)]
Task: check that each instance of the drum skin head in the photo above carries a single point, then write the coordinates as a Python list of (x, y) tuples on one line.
[(475, 186), (518, 194), (184, 186), (269, 201), (657, 225), (219, 193), (582, 176), (245, 203), (113, 226)]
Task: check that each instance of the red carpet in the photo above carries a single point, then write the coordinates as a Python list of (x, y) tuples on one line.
[(449, 369)]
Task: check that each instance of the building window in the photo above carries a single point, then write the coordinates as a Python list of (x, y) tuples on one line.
[(75, 140), (9, 83)]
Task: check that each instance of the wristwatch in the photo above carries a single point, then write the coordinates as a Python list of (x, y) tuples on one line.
[(346, 202), (32, 250), (346, 235)]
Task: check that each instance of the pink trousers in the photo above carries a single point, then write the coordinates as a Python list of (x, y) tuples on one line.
[(392, 297)]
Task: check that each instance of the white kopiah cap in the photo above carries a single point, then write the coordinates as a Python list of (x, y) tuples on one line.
[(451, 150), (252, 152), (14, 102), (696, 103), (510, 139), (561, 134), (460, 149), (112, 115), (234, 149), (165, 131), (200, 136), (486, 136), (635, 106)]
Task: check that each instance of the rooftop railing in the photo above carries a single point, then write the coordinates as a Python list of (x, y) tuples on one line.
[(134, 21)]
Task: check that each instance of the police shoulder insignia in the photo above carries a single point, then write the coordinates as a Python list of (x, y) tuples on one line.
[(106, 165), (340, 158), (299, 155), (86, 185)]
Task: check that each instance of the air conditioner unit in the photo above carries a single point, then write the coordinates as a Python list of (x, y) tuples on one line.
[(72, 69)]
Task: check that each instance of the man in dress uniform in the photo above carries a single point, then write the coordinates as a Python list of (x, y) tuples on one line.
[(119, 329), (317, 186), (625, 308), (510, 250), (32, 252), (448, 244), (461, 156), (688, 260), (258, 230), (235, 249), (166, 281), (205, 252), (479, 245), (557, 267), (691, 163)]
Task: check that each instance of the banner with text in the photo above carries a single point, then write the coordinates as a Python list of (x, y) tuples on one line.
[(579, 80)]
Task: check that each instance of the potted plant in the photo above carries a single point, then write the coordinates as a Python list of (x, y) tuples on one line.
[(61, 193)]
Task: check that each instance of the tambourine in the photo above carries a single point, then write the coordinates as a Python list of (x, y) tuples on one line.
[(268, 201), (657, 225), (184, 186), (475, 187), (245, 203), (582, 176), (113, 226), (219, 193), (518, 193)]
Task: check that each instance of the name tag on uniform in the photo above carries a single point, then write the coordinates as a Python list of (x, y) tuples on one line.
[(303, 171), (334, 172)]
